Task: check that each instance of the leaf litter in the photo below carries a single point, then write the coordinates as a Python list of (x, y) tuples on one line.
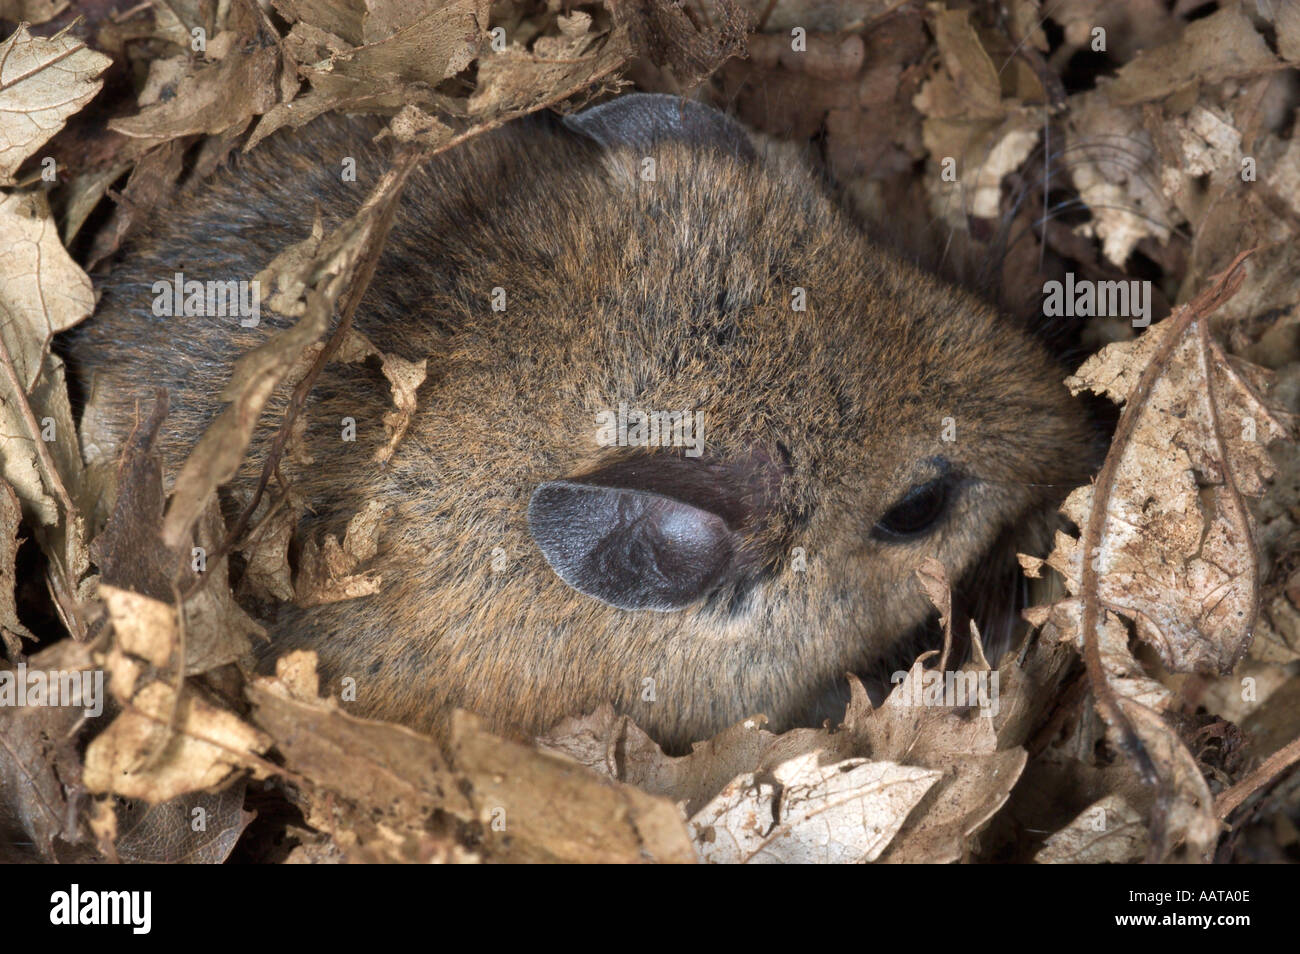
[(1169, 620)]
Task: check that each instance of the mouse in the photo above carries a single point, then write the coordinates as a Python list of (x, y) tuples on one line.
[(688, 429)]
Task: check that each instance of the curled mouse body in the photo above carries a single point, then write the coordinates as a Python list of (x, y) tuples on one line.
[(690, 468)]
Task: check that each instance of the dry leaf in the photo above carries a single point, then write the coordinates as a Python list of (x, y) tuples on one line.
[(207, 746), (1177, 552), (43, 81), (549, 809), (1211, 49), (809, 813), (219, 97), (309, 277), (42, 291), (1107, 832), (195, 829), (325, 573), (37, 760), (11, 628)]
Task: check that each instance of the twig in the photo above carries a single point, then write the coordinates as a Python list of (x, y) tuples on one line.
[(1231, 799)]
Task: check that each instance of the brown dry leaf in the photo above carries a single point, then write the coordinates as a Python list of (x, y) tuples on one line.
[(325, 573), (1179, 808), (221, 96), (43, 81), (131, 555), (138, 757), (382, 767), (84, 193), (1113, 166), (412, 124), (968, 122), (379, 787), (11, 628), (1211, 49), (144, 627), (967, 64), (670, 37), (267, 572), (540, 807), (1173, 546), (128, 551), (919, 724), (42, 291), (944, 827), (517, 80), (1107, 832), (615, 746), (375, 56), (404, 377), (174, 20), (1286, 19), (1062, 621), (1177, 552), (38, 765), (32, 11), (152, 180), (309, 277), (934, 580), (805, 812), (196, 829), (1184, 806), (972, 777)]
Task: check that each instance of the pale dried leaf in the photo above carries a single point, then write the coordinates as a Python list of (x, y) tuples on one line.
[(1107, 832), (809, 813), (207, 746), (1177, 554), (43, 81)]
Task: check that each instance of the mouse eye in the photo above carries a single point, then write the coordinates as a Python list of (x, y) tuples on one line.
[(917, 513)]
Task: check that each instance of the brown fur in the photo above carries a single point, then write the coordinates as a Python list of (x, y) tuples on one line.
[(668, 295)]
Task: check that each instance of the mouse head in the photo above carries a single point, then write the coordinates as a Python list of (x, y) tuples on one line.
[(857, 415)]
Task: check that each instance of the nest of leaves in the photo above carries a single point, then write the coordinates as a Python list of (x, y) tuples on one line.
[(1151, 714)]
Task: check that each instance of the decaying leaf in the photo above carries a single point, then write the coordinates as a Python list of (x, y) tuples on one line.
[(138, 756), (855, 808), (404, 377), (385, 783), (236, 85), (309, 279), (325, 574), (11, 628), (42, 291), (912, 781), (154, 577), (1170, 540), (1176, 553), (1108, 832), (39, 765), (1112, 166), (1221, 45), (197, 829), (43, 81)]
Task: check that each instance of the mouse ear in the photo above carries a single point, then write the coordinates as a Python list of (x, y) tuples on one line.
[(640, 120), (633, 549)]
